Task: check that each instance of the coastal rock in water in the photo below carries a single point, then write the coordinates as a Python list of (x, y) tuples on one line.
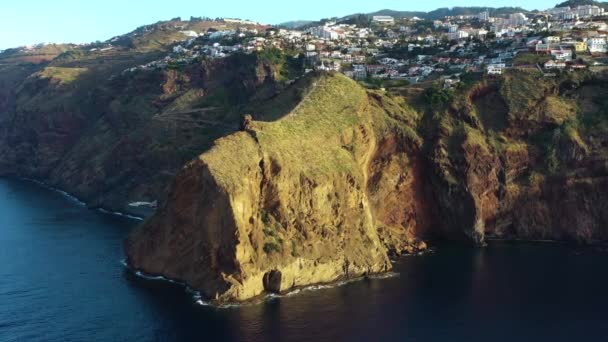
[(272, 281)]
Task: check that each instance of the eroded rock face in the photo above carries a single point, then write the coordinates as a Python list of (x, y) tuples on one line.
[(401, 200), (571, 208), (342, 182), (255, 215), (540, 174)]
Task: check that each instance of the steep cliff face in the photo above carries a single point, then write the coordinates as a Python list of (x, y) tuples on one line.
[(113, 137), (311, 198), (350, 176), (522, 158)]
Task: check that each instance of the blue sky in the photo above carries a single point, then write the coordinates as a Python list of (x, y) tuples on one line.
[(77, 21)]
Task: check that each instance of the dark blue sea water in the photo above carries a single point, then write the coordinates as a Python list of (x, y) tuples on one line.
[(61, 279)]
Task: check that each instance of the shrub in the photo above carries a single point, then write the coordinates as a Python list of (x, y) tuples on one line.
[(271, 247), (437, 96)]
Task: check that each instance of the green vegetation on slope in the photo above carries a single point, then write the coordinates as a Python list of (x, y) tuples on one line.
[(320, 136), (308, 137), (575, 3), (522, 90), (530, 59), (63, 75)]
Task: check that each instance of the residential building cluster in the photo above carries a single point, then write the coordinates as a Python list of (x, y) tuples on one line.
[(415, 49), (579, 12)]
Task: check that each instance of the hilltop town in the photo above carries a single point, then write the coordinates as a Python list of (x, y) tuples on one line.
[(408, 50), (412, 50)]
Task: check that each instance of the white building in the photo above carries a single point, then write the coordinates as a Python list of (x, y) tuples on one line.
[(518, 19), (359, 71), (495, 69), (458, 35), (383, 19), (240, 21), (552, 40), (481, 33), (328, 32), (179, 49), (562, 55), (190, 34), (597, 45), (587, 11), (484, 16)]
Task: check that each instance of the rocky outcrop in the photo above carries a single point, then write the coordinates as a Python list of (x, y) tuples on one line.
[(291, 203)]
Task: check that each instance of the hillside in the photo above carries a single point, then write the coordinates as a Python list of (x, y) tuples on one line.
[(350, 176), (296, 201), (294, 24), (575, 3), (77, 120), (521, 158), (440, 13), (436, 14), (269, 178)]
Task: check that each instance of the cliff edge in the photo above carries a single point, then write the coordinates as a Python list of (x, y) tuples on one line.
[(322, 194)]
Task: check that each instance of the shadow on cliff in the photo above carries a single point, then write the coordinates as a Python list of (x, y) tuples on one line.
[(111, 134)]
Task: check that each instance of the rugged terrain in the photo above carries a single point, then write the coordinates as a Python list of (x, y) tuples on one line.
[(77, 120), (351, 176), (523, 157), (268, 178), (316, 196)]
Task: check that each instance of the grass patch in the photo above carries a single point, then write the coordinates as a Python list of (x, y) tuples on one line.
[(558, 110), (522, 90), (570, 131), (474, 137), (309, 138), (514, 147), (62, 75), (327, 133), (530, 59)]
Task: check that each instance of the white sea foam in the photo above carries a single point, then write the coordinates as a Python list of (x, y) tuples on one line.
[(197, 297), (161, 278), (117, 213), (334, 285), (198, 300), (64, 193), (78, 201), (143, 204)]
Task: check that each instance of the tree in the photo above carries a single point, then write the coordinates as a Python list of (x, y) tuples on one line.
[(438, 96), (362, 20)]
